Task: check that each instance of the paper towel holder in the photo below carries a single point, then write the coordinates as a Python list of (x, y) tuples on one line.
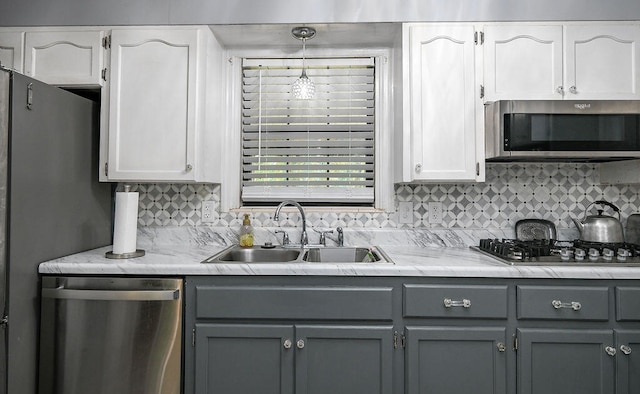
[(131, 255)]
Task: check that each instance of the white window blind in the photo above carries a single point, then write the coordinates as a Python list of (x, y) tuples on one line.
[(317, 150)]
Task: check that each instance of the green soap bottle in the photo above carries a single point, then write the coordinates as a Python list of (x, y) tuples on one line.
[(246, 232)]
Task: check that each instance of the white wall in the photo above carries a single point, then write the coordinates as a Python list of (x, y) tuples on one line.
[(141, 12)]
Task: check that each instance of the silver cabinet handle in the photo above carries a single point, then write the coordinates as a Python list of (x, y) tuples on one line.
[(449, 303), (557, 304), (112, 295), (418, 168), (611, 351), (189, 168), (300, 344), (501, 347), (560, 90), (287, 344), (573, 90), (625, 349)]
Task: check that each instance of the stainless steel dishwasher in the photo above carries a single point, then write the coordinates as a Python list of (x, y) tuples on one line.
[(110, 335)]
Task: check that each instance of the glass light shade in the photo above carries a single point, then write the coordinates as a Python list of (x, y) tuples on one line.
[(303, 87)]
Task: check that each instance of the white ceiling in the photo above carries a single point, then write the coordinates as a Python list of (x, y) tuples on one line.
[(360, 35)]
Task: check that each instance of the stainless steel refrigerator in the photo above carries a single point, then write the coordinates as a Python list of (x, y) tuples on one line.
[(51, 205)]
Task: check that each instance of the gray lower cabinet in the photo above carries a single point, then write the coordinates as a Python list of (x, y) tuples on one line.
[(628, 361), (302, 359), (561, 361), (454, 360)]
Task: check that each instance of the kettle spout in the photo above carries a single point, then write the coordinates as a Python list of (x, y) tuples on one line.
[(578, 224)]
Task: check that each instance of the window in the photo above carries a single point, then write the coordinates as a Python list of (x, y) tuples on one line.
[(318, 151)]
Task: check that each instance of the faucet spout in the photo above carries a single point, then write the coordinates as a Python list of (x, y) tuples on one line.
[(304, 240)]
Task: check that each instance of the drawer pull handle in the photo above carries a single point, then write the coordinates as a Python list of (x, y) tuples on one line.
[(625, 349), (287, 344), (610, 350), (576, 306), (300, 344), (449, 303)]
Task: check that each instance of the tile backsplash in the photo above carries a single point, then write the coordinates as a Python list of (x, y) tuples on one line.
[(553, 191)]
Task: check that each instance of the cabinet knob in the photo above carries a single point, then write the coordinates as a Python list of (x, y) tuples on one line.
[(300, 344), (625, 349), (501, 347), (610, 350), (189, 168), (560, 90), (418, 168), (573, 90), (287, 344)]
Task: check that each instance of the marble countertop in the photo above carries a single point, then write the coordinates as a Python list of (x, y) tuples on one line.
[(416, 261)]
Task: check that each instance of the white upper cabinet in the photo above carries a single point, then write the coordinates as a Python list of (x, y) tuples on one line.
[(522, 62), (11, 50), (602, 62), (65, 58), (561, 62), (442, 136), (156, 97)]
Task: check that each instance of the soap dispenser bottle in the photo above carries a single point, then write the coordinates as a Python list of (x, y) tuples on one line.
[(246, 232)]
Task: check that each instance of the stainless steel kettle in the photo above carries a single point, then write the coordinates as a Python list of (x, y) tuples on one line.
[(601, 228)]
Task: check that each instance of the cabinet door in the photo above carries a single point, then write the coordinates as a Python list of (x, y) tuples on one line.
[(444, 102), (602, 62), (447, 360), (627, 361), (523, 62), (344, 359), (72, 58), (152, 105), (241, 359), (566, 361), (11, 54)]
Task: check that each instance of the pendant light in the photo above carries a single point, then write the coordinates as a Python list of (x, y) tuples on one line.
[(303, 87)]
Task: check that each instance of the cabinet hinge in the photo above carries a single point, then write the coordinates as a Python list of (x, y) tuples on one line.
[(478, 37), (477, 169), (398, 340), (104, 74), (515, 343), (481, 91), (193, 338), (106, 42), (106, 169)]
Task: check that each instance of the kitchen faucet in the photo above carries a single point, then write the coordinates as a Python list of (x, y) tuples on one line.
[(304, 240)]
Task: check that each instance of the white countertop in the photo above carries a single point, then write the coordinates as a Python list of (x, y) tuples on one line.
[(409, 261)]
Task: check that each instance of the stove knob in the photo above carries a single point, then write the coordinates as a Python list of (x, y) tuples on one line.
[(623, 254), (607, 254), (594, 254), (580, 254), (565, 254)]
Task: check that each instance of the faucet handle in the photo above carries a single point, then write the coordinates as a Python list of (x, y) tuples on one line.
[(323, 236), (285, 237)]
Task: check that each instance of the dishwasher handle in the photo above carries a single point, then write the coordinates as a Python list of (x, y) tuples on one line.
[(111, 295)]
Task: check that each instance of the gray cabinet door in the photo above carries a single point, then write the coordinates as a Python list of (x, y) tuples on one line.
[(344, 359), (565, 361), (627, 361), (244, 358), (449, 360)]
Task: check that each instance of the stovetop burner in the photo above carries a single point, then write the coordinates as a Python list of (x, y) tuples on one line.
[(553, 252)]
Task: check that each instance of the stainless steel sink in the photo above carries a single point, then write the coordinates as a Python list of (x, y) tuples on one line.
[(279, 254), (256, 254), (346, 254)]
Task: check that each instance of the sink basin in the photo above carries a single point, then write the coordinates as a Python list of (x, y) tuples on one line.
[(278, 254), (346, 254), (256, 254)]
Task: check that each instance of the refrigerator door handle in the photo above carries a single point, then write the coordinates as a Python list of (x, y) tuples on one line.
[(112, 295)]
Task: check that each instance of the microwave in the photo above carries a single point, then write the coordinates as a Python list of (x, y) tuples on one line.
[(537, 130)]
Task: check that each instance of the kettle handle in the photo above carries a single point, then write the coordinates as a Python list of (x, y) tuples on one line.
[(603, 202)]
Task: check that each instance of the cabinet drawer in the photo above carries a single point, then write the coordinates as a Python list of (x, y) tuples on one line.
[(563, 303), (627, 303), (289, 302), (488, 302)]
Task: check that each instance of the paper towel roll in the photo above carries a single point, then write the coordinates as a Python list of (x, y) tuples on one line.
[(125, 222)]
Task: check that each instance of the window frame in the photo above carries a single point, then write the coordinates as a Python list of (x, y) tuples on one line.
[(231, 160)]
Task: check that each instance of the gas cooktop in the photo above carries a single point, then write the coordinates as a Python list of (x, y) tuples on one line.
[(553, 252)]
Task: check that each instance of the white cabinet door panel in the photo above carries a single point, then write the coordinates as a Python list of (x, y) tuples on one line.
[(11, 50)]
